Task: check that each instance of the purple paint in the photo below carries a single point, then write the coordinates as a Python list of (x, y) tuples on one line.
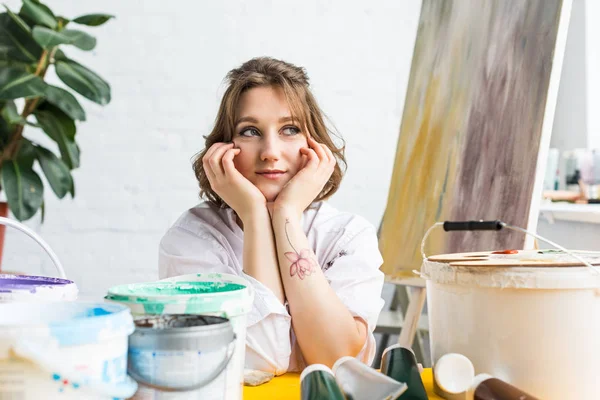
[(10, 283)]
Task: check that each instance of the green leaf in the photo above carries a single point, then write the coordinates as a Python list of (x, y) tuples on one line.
[(47, 38), (93, 19), (60, 55), (15, 83), (21, 66), (62, 22), (26, 154), (24, 189), (11, 114), (57, 173), (72, 189), (80, 39), (6, 131), (18, 20), (60, 128), (85, 82), (65, 101), (43, 210), (17, 45), (38, 13)]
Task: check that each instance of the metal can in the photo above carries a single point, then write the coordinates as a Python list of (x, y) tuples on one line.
[(318, 383), (400, 363), (179, 353)]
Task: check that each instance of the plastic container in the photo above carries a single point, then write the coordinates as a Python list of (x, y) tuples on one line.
[(26, 288), (222, 295), (535, 327), (64, 350)]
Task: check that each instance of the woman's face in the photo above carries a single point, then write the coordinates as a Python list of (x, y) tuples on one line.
[(269, 140)]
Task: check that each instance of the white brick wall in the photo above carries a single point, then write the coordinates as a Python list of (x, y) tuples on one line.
[(165, 62)]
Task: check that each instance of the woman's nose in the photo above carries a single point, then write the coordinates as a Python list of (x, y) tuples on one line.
[(271, 148)]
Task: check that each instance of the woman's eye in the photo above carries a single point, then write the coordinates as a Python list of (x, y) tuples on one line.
[(249, 132), (290, 130)]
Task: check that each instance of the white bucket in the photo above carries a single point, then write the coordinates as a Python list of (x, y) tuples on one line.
[(152, 298), (537, 328), (28, 288), (65, 350)]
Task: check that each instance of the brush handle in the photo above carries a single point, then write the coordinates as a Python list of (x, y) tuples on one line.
[(473, 225)]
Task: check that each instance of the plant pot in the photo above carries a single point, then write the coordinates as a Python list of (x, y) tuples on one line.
[(3, 213)]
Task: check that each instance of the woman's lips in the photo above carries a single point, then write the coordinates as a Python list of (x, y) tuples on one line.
[(271, 174)]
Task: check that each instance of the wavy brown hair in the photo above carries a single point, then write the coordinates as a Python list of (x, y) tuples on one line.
[(266, 71)]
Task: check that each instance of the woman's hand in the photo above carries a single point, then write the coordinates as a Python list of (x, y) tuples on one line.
[(235, 190), (303, 188)]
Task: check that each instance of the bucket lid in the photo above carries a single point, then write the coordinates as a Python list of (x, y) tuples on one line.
[(35, 288), (519, 269), (181, 332), (199, 293), (67, 323)]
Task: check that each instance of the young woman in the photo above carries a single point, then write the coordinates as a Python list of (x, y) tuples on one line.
[(267, 167)]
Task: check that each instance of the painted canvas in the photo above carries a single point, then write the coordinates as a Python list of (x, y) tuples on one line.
[(477, 117)]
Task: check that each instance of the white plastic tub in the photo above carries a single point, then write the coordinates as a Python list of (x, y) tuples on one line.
[(537, 328), (64, 350)]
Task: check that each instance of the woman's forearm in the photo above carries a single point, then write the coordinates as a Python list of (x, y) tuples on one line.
[(324, 327), (260, 256)]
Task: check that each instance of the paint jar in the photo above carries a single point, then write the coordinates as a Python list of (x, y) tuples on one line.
[(26, 288), (318, 383), (179, 355), (221, 295), (535, 326), (64, 350), (359, 381), (486, 387), (452, 375), (400, 363)]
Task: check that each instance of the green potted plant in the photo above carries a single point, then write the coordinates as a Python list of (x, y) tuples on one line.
[(31, 42)]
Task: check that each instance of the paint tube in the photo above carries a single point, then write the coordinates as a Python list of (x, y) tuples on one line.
[(400, 363), (486, 387), (453, 374), (358, 381), (318, 383)]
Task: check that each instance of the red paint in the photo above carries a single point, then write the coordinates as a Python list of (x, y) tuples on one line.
[(506, 252), (65, 382)]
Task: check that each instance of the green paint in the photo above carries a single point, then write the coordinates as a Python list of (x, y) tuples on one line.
[(154, 308), (213, 294), (145, 290)]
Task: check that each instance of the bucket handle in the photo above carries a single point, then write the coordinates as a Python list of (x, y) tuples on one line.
[(39, 240), (196, 386), (48, 360)]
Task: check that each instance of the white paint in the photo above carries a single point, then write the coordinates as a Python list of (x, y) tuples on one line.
[(531, 327), (165, 63)]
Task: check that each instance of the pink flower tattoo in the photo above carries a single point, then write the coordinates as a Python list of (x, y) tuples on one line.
[(302, 263)]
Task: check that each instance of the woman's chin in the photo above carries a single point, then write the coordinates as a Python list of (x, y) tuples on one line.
[(270, 195)]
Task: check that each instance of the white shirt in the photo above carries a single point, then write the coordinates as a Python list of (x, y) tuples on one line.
[(208, 239)]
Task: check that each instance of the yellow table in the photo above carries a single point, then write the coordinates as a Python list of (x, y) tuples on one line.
[(287, 387)]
